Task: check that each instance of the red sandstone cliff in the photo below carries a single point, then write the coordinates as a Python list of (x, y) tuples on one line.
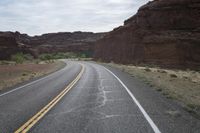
[(11, 43), (163, 32)]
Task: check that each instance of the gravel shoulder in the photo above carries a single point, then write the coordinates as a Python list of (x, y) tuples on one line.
[(13, 74), (179, 85)]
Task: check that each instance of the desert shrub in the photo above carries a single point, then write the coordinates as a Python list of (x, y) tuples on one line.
[(70, 55), (24, 74), (19, 58), (45, 56), (61, 55), (147, 69), (161, 71), (37, 61), (173, 76), (82, 56), (28, 57)]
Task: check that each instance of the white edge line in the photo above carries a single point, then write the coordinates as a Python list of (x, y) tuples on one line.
[(147, 117), (30, 83)]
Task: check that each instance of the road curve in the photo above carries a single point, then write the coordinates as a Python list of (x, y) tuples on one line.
[(100, 102)]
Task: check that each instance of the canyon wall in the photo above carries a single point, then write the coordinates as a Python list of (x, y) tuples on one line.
[(163, 32), (11, 43)]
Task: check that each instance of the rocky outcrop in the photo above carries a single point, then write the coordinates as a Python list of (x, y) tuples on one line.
[(66, 41), (163, 32), (11, 43)]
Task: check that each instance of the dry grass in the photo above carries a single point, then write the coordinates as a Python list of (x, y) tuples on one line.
[(183, 86), (12, 74)]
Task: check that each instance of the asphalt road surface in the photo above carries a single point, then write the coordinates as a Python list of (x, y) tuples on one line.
[(85, 97)]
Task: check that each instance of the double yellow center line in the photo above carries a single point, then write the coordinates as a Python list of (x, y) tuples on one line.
[(31, 122)]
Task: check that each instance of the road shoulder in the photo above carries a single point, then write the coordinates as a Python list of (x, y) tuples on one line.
[(167, 113), (16, 76)]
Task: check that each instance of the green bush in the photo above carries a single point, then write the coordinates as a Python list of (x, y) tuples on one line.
[(45, 56), (19, 58), (61, 55)]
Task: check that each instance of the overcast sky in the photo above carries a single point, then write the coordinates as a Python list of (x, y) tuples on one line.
[(44, 16)]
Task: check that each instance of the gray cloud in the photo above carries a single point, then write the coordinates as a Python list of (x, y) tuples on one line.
[(42, 16)]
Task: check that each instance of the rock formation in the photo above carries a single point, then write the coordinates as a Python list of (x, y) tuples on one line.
[(66, 41), (11, 43), (163, 32)]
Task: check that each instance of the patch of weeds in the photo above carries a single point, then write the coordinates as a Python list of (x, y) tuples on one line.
[(19, 58), (161, 71), (32, 75), (24, 74), (165, 93), (193, 109), (151, 85), (173, 75), (189, 110), (192, 106), (37, 61), (147, 70), (159, 89), (61, 55), (169, 97)]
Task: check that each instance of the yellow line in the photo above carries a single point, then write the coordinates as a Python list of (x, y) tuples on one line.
[(31, 122)]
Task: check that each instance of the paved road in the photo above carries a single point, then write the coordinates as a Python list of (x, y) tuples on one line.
[(102, 101)]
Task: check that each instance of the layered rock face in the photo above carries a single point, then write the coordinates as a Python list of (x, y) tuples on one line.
[(11, 43), (66, 41), (163, 32)]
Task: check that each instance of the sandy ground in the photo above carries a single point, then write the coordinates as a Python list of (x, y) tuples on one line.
[(12, 74), (183, 86)]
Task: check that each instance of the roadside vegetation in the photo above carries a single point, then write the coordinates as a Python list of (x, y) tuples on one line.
[(22, 67), (180, 85), (19, 58), (12, 74), (67, 55)]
